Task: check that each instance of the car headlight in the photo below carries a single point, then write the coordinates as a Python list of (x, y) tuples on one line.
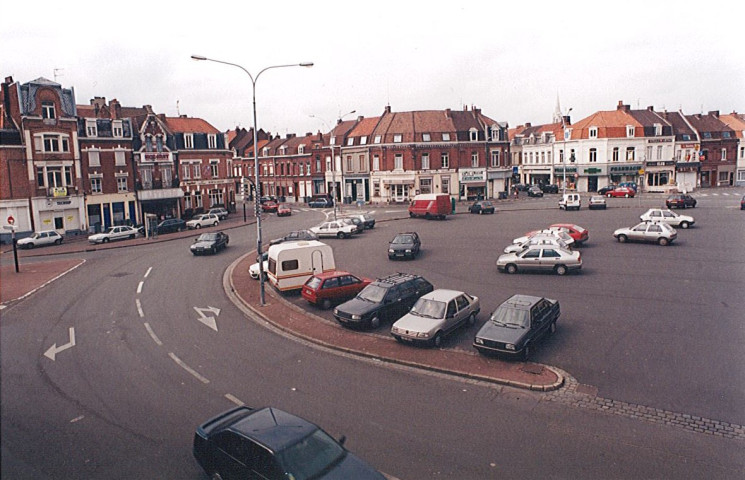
[(422, 335), (336, 311), (408, 250), (479, 341), (390, 250), (509, 346), (356, 317)]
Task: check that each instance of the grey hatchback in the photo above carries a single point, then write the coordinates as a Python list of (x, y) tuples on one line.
[(404, 245)]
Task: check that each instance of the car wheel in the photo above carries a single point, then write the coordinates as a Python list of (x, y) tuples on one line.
[(398, 339), (58, 241), (213, 250), (326, 304), (215, 476), (684, 225), (437, 341), (622, 238), (131, 237), (526, 352), (375, 322), (198, 226), (663, 241), (215, 224), (561, 270), (105, 240), (472, 319), (339, 235), (511, 268), (552, 328), (411, 214)]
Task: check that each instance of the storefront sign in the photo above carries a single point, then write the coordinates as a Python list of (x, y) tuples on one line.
[(58, 191), (625, 169), (592, 171), (472, 175), (156, 156)]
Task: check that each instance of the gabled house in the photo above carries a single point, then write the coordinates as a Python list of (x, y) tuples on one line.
[(532, 149), (718, 149), (686, 151), (106, 146), (356, 160), (736, 121), (334, 168), (659, 151)]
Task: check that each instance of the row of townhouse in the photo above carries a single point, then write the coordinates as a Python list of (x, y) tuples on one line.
[(382, 159), (660, 151), (81, 168)]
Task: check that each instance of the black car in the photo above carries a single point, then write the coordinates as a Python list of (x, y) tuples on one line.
[(549, 188), (516, 324), (680, 201), (535, 191), (404, 245), (211, 242), (321, 203), (269, 443), (606, 189), (295, 236), (482, 206), (170, 225), (385, 300)]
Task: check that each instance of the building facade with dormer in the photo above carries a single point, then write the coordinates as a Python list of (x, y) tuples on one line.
[(736, 121), (718, 151)]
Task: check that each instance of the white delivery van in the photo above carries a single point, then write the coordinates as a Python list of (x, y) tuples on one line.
[(570, 201), (291, 264)]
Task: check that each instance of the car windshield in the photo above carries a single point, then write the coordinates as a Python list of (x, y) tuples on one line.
[(206, 237), (402, 239), (110, 230), (373, 293), (313, 283), (510, 317), (425, 307), (310, 456)]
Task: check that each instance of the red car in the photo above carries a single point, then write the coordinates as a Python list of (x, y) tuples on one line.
[(283, 210), (269, 206), (579, 234), (621, 192), (327, 288)]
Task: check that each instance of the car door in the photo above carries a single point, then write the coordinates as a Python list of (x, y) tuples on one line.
[(530, 260), (670, 218), (639, 232), (391, 304), (549, 258), (654, 232), (451, 316), (462, 304)]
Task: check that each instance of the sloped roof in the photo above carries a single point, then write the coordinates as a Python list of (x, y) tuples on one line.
[(364, 127), (680, 126), (707, 123), (610, 124), (189, 125), (735, 121)]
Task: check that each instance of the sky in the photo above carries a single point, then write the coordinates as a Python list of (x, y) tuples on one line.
[(513, 60)]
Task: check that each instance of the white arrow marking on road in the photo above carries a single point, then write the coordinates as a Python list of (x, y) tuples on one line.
[(54, 349), (209, 321)]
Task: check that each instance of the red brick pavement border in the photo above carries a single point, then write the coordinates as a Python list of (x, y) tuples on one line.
[(31, 277)]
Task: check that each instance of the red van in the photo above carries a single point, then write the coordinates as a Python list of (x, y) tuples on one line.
[(430, 205)]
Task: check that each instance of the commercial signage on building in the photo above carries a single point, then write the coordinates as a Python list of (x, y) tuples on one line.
[(471, 175), (58, 192), (627, 169), (156, 156)]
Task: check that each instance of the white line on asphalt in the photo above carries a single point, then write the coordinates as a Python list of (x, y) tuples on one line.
[(187, 368), (148, 271), (139, 308), (77, 419), (139, 287), (152, 334), (234, 399)]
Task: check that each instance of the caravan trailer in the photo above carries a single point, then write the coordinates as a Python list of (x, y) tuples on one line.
[(292, 263)]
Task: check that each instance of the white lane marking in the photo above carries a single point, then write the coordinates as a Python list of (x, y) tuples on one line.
[(152, 334), (54, 350), (234, 399), (139, 308), (77, 419), (139, 287), (209, 321), (187, 368), (148, 271)]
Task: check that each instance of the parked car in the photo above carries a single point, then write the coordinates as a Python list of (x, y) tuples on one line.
[(680, 200), (667, 216), (294, 236), (579, 234), (607, 188), (335, 228), (647, 232), (540, 239), (356, 221), (540, 258), (253, 270), (283, 210), (535, 191), (549, 188), (625, 192), (597, 202), (561, 233), (404, 245), (120, 232), (515, 326), (211, 242), (368, 221), (481, 207), (570, 201), (221, 213), (327, 288), (203, 220), (384, 300), (170, 225), (268, 443), (321, 202), (39, 239), (435, 315), (270, 206)]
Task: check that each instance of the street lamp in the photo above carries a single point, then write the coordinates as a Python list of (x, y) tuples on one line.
[(256, 157), (564, 156), (333, 161)]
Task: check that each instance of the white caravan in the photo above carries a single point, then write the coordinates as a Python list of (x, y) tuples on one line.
[(292, 263)]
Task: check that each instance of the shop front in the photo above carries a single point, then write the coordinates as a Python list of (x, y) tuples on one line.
[(566, 177), (498, 182), (393, 187), (660, 176), (61, 212), (472, 183), (625, 173), (592, 176), (356, 188)]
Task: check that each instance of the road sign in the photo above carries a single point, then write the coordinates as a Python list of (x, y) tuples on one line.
[(11, 220)]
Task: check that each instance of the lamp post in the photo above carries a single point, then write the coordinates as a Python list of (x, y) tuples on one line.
[(333, 160), (564, 156), (256, 158)]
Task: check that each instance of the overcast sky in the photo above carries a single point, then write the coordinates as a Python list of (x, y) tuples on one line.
[(511, 59)]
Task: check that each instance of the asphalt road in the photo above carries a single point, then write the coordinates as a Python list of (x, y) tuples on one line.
[(123, 401)]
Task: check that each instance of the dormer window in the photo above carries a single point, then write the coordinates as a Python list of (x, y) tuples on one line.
[(593, 132), (212, 140), (397, 138), (264, 152), (426, 137), (301, 149), (445, 137), (283, 150), (657, 129), (332, 141), (350, 141), (376, 139), (188, 140), (117, 128), (473, 134), (91, 129), (363, 140), (630, 130), (47, 110)]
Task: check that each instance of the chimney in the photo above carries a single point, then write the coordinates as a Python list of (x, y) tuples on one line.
[(527, 125), (387, 109), (447, 113), (567, 120), (117, 108), (650, 108), (623, 107), (9, 80), (714, 113)]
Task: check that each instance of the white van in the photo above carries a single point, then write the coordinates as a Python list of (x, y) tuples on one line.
[(570, 201), (291, 264)]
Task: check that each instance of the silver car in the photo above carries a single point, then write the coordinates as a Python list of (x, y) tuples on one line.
[(540, 258), (664, 215), (539, 239), (435, 315), (561, 233), (647, 232)]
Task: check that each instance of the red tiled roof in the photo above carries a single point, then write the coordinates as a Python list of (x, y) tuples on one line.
[(189, 125), (735, 121), (610, 124)]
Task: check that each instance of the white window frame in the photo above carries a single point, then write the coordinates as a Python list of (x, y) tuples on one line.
[(630, 154), (630, 131), (593, 155), (724, 154), (445, 160), (121, 183), (474, 159), (197, 170), (425, 161), (446, 137), (212, 141), (658, 129), (215, 168), (377, 139), (48, 110), (445, 182), (189, 140), (91, 127), (397, 138), (363, 140), (186, 171), (120, 158), (593, 132), (350, 141), (94, 158), (117, 128), (376, 163), (398, 161), (616, 154), (96, 184), (473, 135), (301, 149), (426, 137)]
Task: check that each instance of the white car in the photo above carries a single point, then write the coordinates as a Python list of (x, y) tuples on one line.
[(661, 233), (557, 232), (667, 216), (253, 270), (540, 239), (597, 202), (114, 233), (570, 201), (336, 228), (540, 258), (203, 220), (436, 314), (45, 237)]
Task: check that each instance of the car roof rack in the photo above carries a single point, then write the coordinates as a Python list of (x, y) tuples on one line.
[(396, 278)]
